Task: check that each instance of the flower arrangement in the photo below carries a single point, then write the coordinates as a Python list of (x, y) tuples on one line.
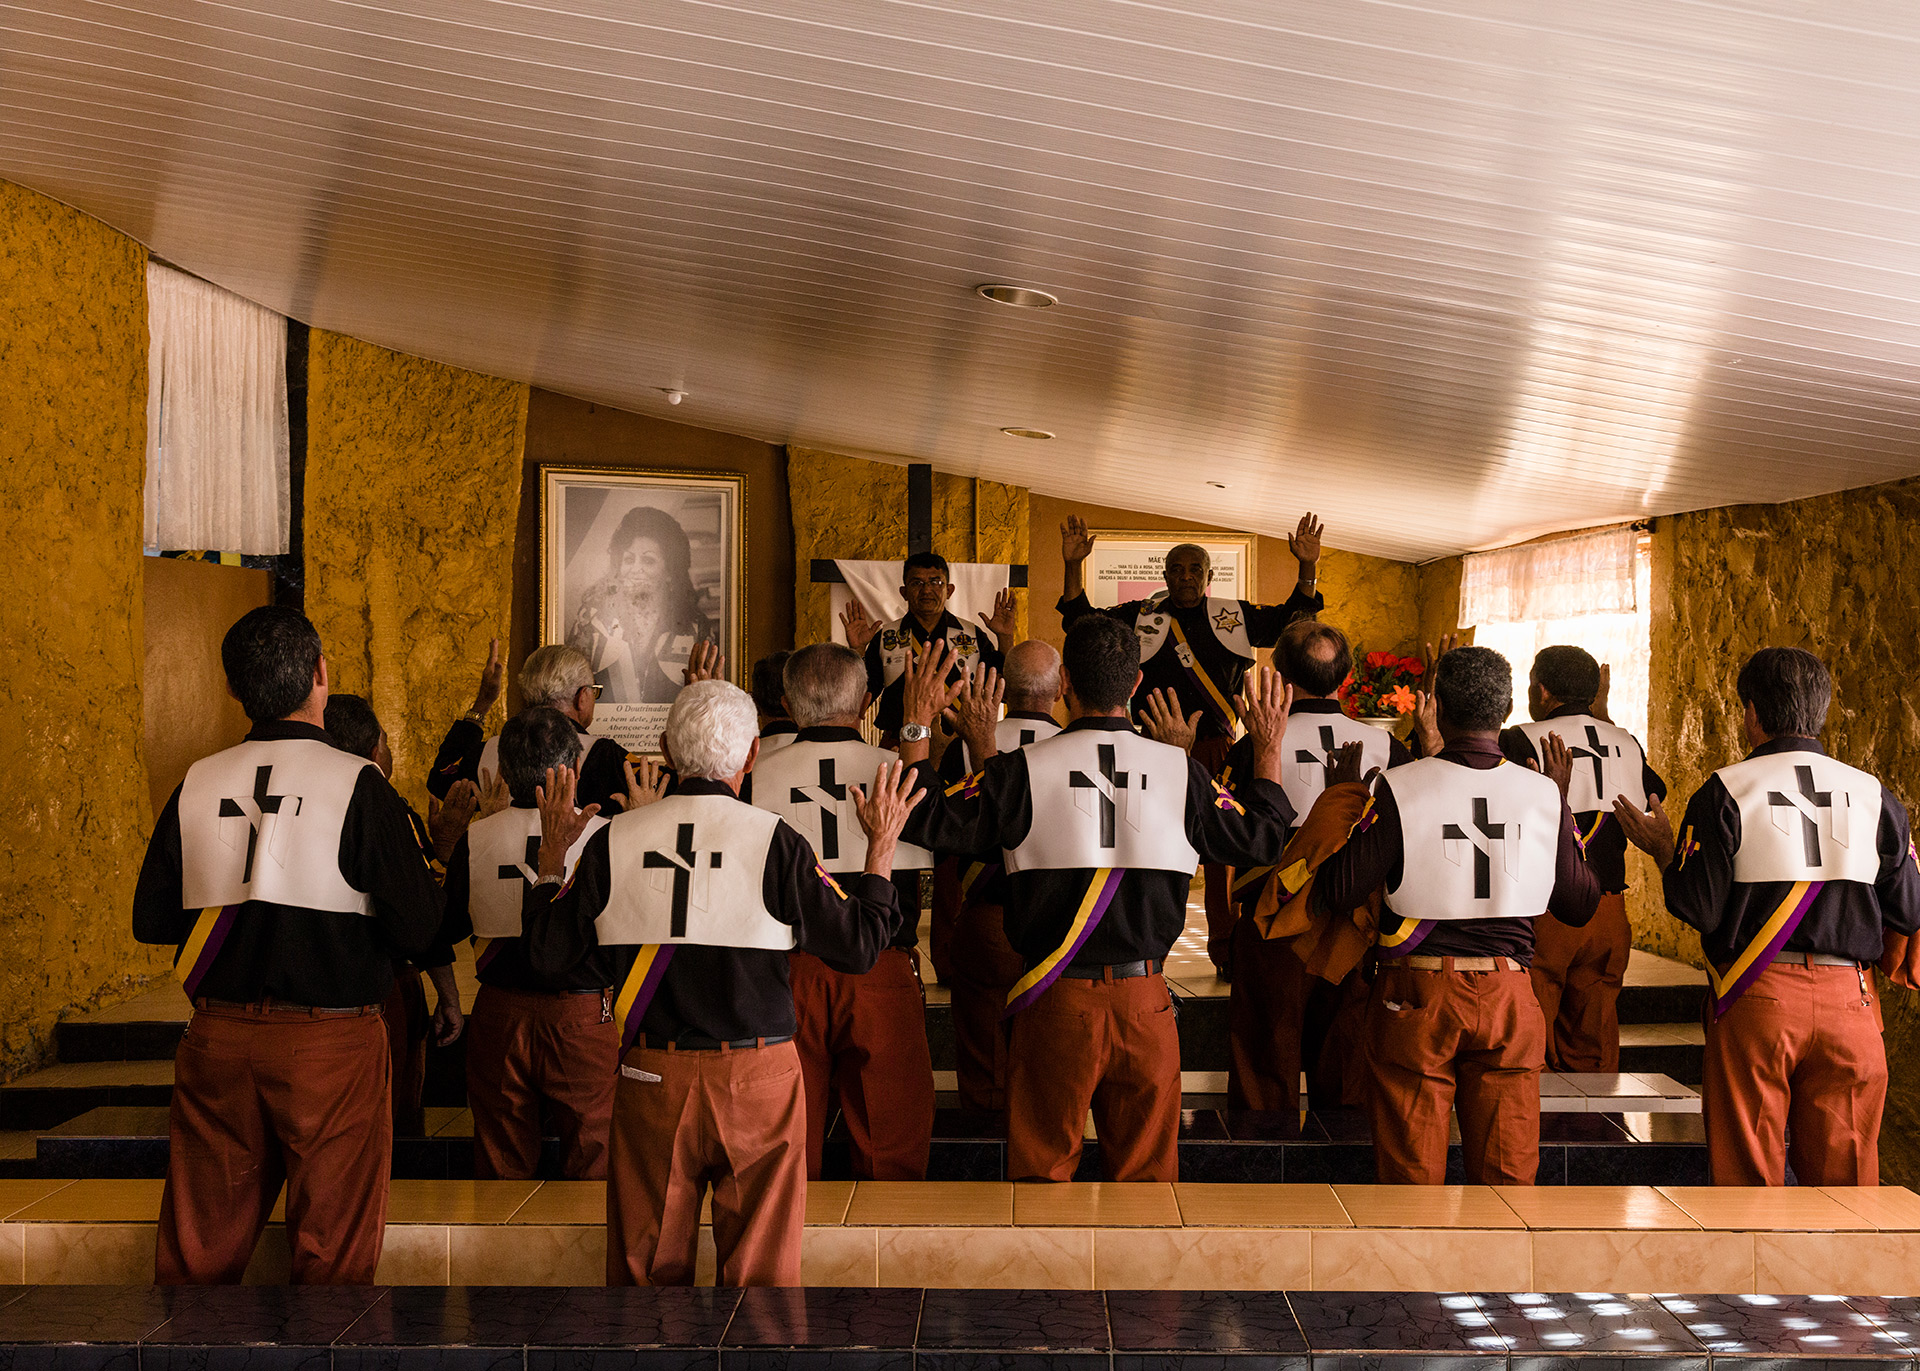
[(1382, 684)]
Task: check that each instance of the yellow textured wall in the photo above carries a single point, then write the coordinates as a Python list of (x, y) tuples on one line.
[(847, 507), (73, 396), (412, 495)]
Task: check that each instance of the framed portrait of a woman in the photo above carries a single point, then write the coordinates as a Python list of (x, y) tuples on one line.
[(636, 568)]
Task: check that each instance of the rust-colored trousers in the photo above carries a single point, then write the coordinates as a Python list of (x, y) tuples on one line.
[(984, 968), (732, 1121), (527, 1051), (262, 1096), (1109, 1045), (862, 1042), (1800, 1052), (1212, 754), (1282, 1018), (407, 1020), (1443, 1040), (1577, 974)]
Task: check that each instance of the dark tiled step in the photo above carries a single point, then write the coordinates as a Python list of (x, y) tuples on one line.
[(1662, 1003)]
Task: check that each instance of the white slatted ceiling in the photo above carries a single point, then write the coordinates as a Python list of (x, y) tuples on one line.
[(1450, 274)]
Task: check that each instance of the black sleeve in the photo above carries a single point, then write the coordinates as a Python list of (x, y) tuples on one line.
[(557, 923), (1398, 753), (459, 758), (992, 653), (1369, 859), (963, 819), (1224, 829), (1700, 876), (1899, 884), (456, 925), (1651, 780), (845, 927), (158, 916), (380, 857), (602, 776), (1266, 622), (1517, 747), (1079, 607), (1576, 890), (876, 675), (1237, 769), (953, 764)]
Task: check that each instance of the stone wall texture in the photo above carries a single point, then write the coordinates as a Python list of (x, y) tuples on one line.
[(412, 498), (73, 397)]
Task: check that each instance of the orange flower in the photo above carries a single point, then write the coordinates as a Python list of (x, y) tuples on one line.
[(1401, 699)]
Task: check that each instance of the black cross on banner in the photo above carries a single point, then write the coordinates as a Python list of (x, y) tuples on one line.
[(528, 871), (1809, 802), (1027, 735), (829, 795), (254, 809), (1482, 856), (1111, 786), (1306, 758), (682, 861), (1597, 752)]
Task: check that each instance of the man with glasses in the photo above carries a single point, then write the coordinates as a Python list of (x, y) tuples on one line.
[(891, 648)]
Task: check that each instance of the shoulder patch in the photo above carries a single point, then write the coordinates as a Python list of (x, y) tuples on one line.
[(1222, 800), (828, 880), (1688, 847), (967, 786)]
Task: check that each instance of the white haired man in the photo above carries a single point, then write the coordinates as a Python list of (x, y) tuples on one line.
[(696, 900)]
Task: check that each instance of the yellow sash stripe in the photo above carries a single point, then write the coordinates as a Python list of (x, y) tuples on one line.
[(1406, 931), (1206, 681), (971, 875), (1773, 925), (630, 989), (196, 943), (1040, 972), (1243, 879), (480, 946), (1599, 819)]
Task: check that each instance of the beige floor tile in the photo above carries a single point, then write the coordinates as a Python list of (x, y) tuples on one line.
[(1687, 1261), (438, 1116), (19, 1144), (1836, 1263), (119, 1073), (449, 1202), (272, 1262), (1422, 1259), (90, 1253), (1427, 1206), (97, 1202), (827, 1202), (580, 1203), (528, 1254), (1095, 1204), (1764, 1208), (840, 1257), (1202, 1259), (987, 1258), (415, 1254), (13, 1253), (1887, 1207), (706, 1258), (16, 1195), (963, 1203), (1594, 1206), (1235, 1205), (459, 1126), (166, 1002)]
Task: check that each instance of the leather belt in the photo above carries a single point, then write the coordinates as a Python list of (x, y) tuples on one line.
[(1119, 971), (694, 1042), (1419, 963), (1816, 959), (281, 1007)]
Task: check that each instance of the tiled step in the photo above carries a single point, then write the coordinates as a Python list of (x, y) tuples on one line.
[(59, 1093)]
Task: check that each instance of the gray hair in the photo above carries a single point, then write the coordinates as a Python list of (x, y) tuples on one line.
[(710, 730), (533, 742), (824, 681), (1032, 673), (1205, 556), (553, 675)]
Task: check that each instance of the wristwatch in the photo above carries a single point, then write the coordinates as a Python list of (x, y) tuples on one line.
[(915, 733), (550, 880)]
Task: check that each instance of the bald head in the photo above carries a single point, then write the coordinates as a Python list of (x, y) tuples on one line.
[(1032, 674)]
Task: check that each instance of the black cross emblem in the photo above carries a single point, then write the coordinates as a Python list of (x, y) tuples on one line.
[(1306, 758), (682, 861), (254, 809), (1809, 802), (528, 872), (829, 796), (1482, 856), (1027, 736), (1596, 752), (1108, 783)]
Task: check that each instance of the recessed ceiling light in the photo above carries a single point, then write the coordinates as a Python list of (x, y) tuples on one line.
[(1018, 296), (1026, 433), (1218, 485)]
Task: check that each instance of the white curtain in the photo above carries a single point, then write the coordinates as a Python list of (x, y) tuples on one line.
[(1562, 579), (217, 474)]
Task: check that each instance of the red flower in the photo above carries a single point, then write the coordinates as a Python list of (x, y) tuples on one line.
[(1413, 666), (1378, 659)]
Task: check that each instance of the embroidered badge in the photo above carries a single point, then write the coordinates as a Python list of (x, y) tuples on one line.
[(889, 639), (1222, 800), (1227, 619), (963, 644), (1184, 653), (1688, 847), (828, 880), (967, 787), (1148, 627)]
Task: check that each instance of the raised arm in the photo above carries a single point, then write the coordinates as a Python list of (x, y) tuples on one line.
[(1076, 545)]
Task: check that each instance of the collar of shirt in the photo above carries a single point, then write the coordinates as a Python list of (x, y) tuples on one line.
[(1787, 744), (702, 785), (777, 727), (1563, 711), (1033, 714), (1315, 705), (275, 730), (828, 733), (1102, 722), (1479, 753), (947, 621)]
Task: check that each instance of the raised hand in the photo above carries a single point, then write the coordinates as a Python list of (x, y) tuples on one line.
[(1599, 706), (447, 819), (560, 823), (1163, 722), (1343, 765), (644, 787), (883, 812), (1076, 544), (1557, 764), (926, 692), (860, 630), (1304, 542), (1448, 643), (1002, 623), (1426, 723), (1263, 709), (492, 675), (976, 709), (1651, 832), (704, 663), (494, 794)]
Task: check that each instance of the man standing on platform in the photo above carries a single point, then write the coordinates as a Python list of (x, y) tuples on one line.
[(1577, 972), (1793, 866), (862, 1038), (1470, 850), (1101, 830), (288, 873), (1199, 647), (970, 893), (889, 649), (697, 899)]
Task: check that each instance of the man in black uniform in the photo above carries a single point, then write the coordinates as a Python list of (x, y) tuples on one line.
[(288, 873), (1793, 866), (1199, 647), (1101, 831), (696, 900), (890, 648)]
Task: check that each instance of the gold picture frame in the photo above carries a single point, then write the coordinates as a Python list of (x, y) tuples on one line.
[(1142, 551)]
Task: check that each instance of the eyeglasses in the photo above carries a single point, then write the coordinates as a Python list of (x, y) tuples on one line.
[(597, 690)]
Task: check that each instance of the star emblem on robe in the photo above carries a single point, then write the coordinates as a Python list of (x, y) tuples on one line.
[(1227, 619)]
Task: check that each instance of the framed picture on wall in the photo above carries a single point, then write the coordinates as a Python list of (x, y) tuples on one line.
[(1130, 564), (635, 568)]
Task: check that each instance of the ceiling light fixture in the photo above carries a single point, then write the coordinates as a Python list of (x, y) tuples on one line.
[(1026, 433), (1218, 485), (674, 397), (1018, 296)]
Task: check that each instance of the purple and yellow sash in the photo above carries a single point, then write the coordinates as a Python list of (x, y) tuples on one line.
[(1190, 660), (484, 951), (1759, 953), (642, 983), (975, 873), (203, 945), (1412, 933), (1093, 908)]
